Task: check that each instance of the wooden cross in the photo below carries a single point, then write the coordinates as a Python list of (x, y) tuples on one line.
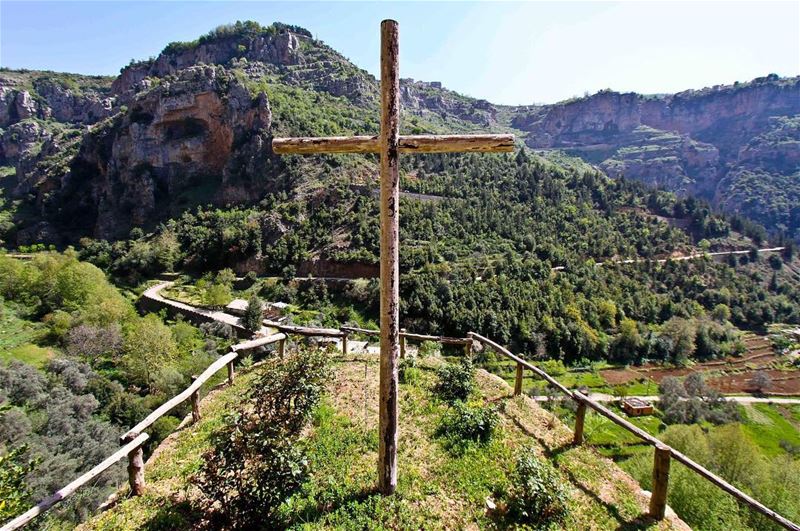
[(390, 144)]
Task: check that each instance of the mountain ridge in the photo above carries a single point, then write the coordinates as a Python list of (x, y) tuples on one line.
[(736, 146)]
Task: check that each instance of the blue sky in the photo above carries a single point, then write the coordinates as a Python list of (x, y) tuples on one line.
[(515, 53)]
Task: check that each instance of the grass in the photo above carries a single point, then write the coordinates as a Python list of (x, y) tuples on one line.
[(28, 353), (17, 337), (572, 379), (769, 424), (185, 293), (438, 488)]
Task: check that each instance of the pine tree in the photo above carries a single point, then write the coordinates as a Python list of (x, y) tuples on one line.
[(253, 315)]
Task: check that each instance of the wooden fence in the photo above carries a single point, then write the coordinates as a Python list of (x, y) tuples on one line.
[(134, 438), (663, 453)]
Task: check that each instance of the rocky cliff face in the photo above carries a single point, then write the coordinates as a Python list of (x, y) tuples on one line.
[(97, 156), (199, 135), (693, 142)]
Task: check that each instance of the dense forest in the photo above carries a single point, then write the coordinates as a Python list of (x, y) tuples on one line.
[(478, 251)]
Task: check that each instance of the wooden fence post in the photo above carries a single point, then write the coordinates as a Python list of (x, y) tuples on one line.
[(518, 381), (468, 348), (230, 372), (195, 403), (282, 348), (135, 467), (580, 415), (344, 344), (658, 500), (402, 343)]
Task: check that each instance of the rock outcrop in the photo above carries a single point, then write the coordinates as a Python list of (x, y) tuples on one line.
[(692, 142), (95, 156), (199, 132)]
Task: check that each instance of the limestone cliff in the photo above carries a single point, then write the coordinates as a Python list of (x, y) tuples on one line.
[(200, 130), (96, 156), (693, 142)]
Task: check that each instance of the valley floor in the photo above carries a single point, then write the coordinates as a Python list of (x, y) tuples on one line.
[(438, 488)]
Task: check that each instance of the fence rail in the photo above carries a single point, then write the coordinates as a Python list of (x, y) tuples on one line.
[(68, 490), (662, 454), (133, 439)]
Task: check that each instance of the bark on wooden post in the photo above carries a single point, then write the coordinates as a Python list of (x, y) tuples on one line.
[(518, 381), (282, 348), (468, 347), (135, 466), (402, 343), (195, 403), (580, 416), (344, 344), (230, 372), (658, 500), (390, 256)]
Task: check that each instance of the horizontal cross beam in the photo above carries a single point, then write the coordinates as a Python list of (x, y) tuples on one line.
[(407, 144)]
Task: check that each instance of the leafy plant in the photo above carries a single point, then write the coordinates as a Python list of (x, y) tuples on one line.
[(256, 463), (466, 422), (456, 381), (14, 468), (538, 495), (407, 371)]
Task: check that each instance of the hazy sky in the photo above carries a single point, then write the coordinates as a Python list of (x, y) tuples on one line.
[(515, 53)]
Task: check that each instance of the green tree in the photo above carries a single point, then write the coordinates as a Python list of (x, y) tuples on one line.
[(217, 295), (253, 314), (14, 469), (149, 347)]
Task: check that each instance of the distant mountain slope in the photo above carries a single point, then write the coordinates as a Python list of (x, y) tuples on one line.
[(736, 145), (96, 156)]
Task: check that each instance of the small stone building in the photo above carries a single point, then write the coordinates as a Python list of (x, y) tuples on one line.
[(636, 407)]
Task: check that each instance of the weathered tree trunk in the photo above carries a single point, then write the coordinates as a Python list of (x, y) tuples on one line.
[(390, 259), (518, 380), (658, 500), (136, 471), (195, 403), (580, 416)]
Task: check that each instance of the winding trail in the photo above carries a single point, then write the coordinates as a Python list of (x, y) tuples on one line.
[(153, 294)]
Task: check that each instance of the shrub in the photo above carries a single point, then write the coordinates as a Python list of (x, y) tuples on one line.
[(455, 381), (465, 422), (428, 349), (537, 496), (256, 464), (14, 468), (407, 371)]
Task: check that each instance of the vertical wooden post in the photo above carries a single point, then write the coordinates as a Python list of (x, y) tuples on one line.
[(658, 500), (195, 403), (230, 372), (402, 343), (518, 381), (580, 416), (282, 348), (390, 257), (344, 344), (135, 468), (468, 348)]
